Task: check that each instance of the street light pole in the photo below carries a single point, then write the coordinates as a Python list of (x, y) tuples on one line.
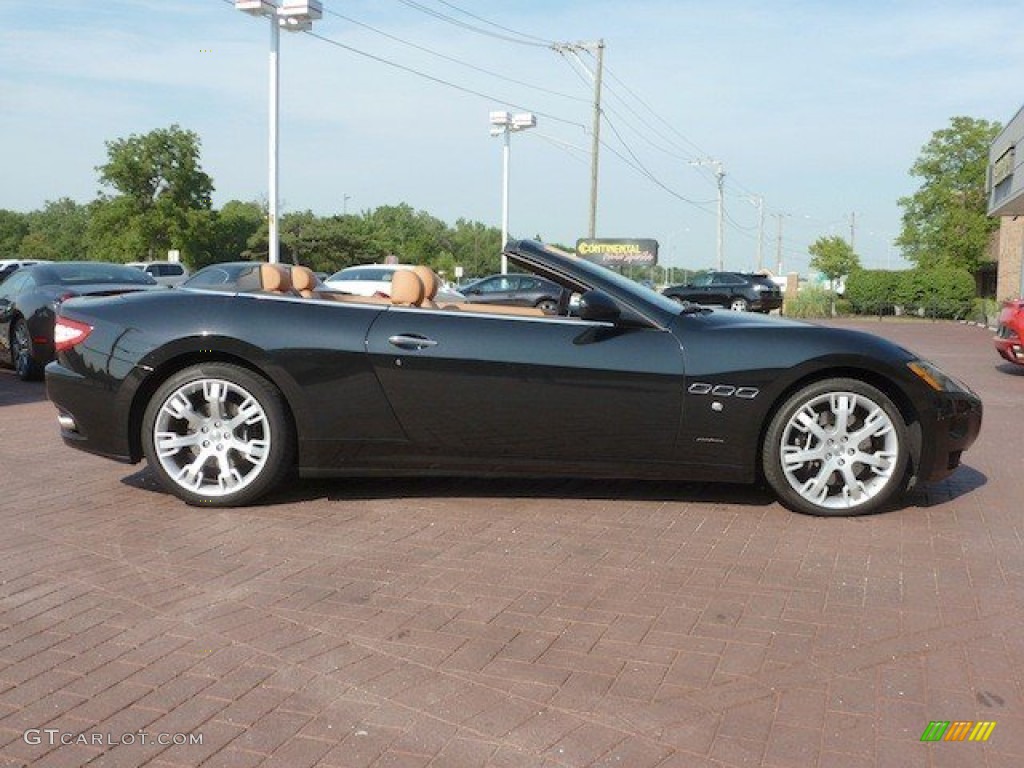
[(273, 181), (506, 155), (294, 16), (504, 124)]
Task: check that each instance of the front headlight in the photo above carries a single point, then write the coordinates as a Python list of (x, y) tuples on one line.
[(935, 377)]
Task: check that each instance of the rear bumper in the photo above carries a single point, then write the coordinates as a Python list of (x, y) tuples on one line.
[(87, 414), (766, 304)]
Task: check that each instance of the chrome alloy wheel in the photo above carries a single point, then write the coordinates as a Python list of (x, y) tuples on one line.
[(839, 450), (212, 437)]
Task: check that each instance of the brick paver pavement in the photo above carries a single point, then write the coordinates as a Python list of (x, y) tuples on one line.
[(459, 623)]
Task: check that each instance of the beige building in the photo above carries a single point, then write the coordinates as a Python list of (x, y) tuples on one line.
[(1006, 200)]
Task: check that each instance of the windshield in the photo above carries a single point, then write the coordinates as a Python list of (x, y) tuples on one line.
[(85, 273), (621, 281)]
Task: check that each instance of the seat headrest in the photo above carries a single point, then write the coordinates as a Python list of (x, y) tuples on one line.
[(406, 288), (303, 279), (431, 282), (275, 278)]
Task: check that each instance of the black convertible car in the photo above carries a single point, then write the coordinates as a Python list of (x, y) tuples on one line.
[(226, 389)]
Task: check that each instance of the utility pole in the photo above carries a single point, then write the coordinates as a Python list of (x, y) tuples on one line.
[(758, 202), (595, 145), (778, 242), (720, 179), (853, 230)]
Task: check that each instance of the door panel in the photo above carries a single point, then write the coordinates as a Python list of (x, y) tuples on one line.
[(466, 384)]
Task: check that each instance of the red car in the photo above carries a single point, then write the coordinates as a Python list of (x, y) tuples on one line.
[(1009, 335)]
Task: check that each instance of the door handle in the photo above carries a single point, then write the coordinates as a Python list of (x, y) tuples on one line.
[(411, 341)]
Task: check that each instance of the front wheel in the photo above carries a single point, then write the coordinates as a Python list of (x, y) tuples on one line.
[(837, 447), (739, 305), (547, 306), (218, 435)]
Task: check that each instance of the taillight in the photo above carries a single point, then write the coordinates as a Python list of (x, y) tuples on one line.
[(67, 333)]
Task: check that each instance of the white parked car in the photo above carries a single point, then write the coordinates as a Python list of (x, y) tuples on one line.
[(169, 273), (375, 279)]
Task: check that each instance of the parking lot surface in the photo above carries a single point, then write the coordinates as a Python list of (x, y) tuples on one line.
[(459, 623)]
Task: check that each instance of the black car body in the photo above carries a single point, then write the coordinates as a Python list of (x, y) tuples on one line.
[(29, 299), (518, 290), (224, 393), (732, 290)]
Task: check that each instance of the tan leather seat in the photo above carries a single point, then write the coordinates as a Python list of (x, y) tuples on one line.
[(407, 289), (275, 278), (303, 281)]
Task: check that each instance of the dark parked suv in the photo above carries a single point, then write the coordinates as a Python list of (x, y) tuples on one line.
[(732, 290)]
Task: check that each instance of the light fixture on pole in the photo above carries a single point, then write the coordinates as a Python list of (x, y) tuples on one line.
[(505, 124), (293, 16)]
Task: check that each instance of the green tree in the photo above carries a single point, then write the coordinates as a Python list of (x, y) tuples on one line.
[(13, 228), (476, 248), (324, 244), (160, 186), (945, 221), (58, 232), (835, 259), (225, 235)]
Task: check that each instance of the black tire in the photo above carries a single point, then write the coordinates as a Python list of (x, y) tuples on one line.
[(547, 306), (226, 436), (24, 362), (847, 446), (739, 304)]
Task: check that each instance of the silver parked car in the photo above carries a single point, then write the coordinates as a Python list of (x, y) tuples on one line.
[(169, 273)]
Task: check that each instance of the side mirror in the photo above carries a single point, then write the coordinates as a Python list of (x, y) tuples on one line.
[(598, 306)]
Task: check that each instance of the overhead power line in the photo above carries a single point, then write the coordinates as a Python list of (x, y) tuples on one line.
[(442, 81), (524, 35), (454, 60), (519, 40)]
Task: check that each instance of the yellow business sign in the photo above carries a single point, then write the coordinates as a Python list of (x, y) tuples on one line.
[(619, 252)]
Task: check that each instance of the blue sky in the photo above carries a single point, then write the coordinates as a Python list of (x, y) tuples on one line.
[(819, 107)]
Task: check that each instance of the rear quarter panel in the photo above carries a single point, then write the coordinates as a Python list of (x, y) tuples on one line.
[(313, 351)]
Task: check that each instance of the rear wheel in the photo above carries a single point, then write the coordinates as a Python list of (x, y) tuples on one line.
[(218, 435), (837, 447), (547, 306), (739, 305), (25, 364)]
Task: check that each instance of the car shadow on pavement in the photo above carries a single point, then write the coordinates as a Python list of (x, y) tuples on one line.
[(14, 391), (368, 488), (963, 481), (543, 488), (1011, 368)]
